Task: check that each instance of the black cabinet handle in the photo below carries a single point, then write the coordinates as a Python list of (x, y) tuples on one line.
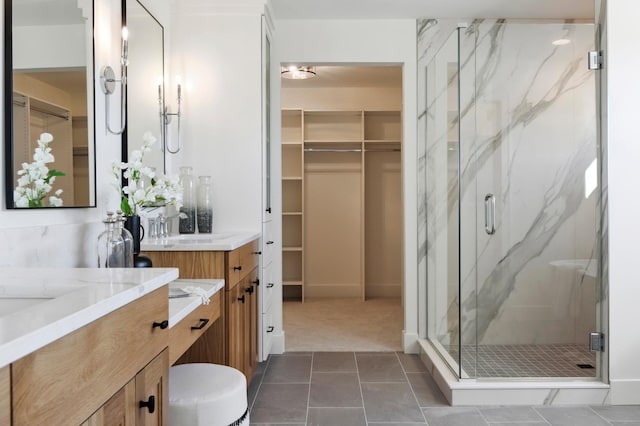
[(249, 290), (163, 324), (269, 242), (203, 322), (268, 210), (257, 252), (237, 268), (241, 298), (270, 285), (150, 404), (270, 329), (256, 282)]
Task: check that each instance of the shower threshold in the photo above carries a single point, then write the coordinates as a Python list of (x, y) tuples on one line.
[(513, 390)]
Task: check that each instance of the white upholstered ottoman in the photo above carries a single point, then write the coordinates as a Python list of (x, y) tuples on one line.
[(207, 395)]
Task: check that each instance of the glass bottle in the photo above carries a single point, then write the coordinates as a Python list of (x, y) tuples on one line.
[(110, 245), (205, 205), (187, 225), (127, 239)]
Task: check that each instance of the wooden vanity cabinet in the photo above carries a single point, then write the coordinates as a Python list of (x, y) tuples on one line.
[(233, 339), (100, 373)]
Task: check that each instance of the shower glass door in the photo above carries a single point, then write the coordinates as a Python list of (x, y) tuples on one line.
[(512, 188), (529, 195)]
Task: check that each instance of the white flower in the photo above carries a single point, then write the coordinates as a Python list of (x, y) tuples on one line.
[(36, 179), (144, 186)]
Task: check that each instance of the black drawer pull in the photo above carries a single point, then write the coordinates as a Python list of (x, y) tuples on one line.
[(268, 209), (269, 242), (163, 324), (256, 282), (237, 268), (150, 404), (249, 290), (241, 298), (270, 285), (203, 323), (257, 252), (270, 329)]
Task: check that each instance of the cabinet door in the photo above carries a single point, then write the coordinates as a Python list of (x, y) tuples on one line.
[(251, 324), (5, 396), (119, 410), (236, 299), (152, 392)]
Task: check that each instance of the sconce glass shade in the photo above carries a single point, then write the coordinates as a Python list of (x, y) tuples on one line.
[(297, 72)]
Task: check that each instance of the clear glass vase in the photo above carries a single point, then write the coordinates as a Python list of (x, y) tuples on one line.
[(187, 223), (205, 205), (127, 238), (111, 250)]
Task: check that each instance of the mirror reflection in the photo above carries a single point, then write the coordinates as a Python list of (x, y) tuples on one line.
[(145, 76), (49, 101)]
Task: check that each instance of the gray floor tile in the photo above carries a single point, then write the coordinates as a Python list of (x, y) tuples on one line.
[(288, 369), (626, 423), (519, 424), (278, 403), (253, 389), (379, 368), (334, 361), (411, 363), (453, 416), (570, 416), (397, 424), (390, 402), (426, 390), (511, 414), (335, 390), (336, 416), (618, 413)]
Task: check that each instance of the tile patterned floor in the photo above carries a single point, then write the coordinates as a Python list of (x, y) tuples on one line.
[(557, 360), (388, 389)]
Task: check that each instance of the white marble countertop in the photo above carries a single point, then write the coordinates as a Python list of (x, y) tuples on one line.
[(41, 305), (200, 242), (180, 307)]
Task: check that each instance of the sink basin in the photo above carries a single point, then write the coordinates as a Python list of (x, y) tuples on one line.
[(9, 305), (14, 298)]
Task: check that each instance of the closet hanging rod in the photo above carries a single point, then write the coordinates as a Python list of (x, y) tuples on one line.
[(333, 150), (41, 110)]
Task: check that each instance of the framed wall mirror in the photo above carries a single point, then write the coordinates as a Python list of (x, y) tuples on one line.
[(145, 82), (49, 94)]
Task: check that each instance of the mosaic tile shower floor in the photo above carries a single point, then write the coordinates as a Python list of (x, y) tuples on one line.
[(543, 360)]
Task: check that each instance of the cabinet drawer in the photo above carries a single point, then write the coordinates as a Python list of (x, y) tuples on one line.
[(266, 288), (267, 334), (183, 334), (57, 383), (241, 261), (267, 243)]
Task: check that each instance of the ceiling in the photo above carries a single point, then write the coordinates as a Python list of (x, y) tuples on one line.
[(396, 9), (350, 76)]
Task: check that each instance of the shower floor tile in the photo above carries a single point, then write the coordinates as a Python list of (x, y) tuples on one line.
[(548, 360)]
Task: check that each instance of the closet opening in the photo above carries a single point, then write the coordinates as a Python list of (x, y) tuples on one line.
[(342, 209)]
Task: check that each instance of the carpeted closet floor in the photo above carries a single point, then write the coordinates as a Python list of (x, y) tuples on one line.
[(336, 325)]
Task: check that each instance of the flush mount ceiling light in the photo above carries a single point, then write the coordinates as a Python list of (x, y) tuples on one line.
[(295, 72)]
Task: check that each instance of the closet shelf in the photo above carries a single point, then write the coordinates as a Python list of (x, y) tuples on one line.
[(291, 177), (298, 283), (292, 248), (291, 142), (292, 213), (330, 141), (377, 141)]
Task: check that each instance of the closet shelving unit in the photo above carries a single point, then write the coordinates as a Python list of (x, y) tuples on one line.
[(313, 132)]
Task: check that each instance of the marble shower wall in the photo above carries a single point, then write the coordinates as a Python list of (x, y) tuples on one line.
[(528, 132)]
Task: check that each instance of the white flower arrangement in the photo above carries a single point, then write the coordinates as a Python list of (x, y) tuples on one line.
[(144, 187), (36, 179)]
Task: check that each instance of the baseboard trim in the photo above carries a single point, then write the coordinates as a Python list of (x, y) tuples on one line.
[(410, 343), (277, 343)]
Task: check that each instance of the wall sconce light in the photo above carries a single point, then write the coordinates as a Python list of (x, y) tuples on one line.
[(108, 81), (166, 116), (295, 72)]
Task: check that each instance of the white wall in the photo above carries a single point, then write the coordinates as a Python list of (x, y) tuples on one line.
[(366, 42), (622, 63), (218, 57)]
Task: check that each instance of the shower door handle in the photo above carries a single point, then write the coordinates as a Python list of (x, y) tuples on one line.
[(490, 214)]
